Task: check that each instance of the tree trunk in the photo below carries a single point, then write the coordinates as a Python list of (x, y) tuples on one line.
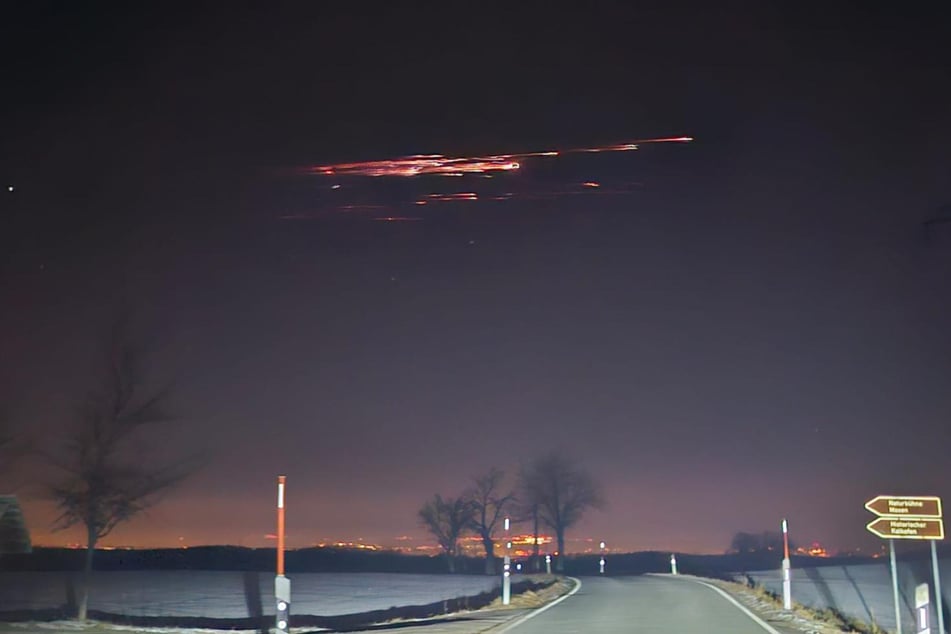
[(451, 560), (560, 562), (83, 606), (489, 546)]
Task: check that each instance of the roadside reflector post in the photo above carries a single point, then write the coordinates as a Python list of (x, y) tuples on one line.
[(282, 585), (673, 564), (548, 564), (601, 563), (507, 568), (922, 609), (787, 577)]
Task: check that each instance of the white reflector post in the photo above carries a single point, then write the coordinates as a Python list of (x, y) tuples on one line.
[(507, 568), (282, 595), (922, 609), (787, 580)]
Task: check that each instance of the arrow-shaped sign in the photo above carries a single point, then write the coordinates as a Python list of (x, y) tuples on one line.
[(905, 506), (907, 528)]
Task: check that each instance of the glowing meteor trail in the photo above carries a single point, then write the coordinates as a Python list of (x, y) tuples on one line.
[(420, 165), (437, 164), (379, 202)]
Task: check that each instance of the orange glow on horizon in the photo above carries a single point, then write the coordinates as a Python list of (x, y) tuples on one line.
[(814, 550)]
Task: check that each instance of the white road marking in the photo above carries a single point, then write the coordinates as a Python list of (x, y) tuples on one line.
[(766, 626), (543, 608)]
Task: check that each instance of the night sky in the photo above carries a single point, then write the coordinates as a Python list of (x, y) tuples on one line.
[(749, 326)]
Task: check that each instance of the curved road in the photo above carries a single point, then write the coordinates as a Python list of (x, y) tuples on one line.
[(648, 604)]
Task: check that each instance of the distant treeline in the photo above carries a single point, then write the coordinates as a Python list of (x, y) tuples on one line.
[(226, 558), (352, 560)]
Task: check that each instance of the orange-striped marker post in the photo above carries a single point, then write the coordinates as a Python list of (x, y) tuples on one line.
[(282, 585)]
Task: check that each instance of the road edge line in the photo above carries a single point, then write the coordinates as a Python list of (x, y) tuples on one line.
[(538, 611), (766, 626)]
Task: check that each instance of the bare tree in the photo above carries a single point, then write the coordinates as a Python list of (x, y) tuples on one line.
[(446, 519), (527, 510), (489, 505), (744, 542), (106, 479), (765, 541), (563, 491)]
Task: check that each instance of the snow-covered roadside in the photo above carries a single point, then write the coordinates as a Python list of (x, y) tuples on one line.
[(198, 593), (457, 615)]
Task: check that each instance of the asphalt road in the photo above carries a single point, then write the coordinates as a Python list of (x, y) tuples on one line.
[(643, 605), (633, 605)]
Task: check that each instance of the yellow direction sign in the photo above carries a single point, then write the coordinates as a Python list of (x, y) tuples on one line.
[(907, 527), (905, 506)]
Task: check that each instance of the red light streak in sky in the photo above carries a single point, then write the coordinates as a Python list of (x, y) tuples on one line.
[(424, 164), (451, 197)]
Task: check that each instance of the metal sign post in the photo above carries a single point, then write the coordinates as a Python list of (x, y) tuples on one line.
[(282, 585), (894, 567), (909, 517), (938, 603)]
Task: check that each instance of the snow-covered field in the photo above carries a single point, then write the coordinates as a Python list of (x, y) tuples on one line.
[(223, 594), (864, 591)]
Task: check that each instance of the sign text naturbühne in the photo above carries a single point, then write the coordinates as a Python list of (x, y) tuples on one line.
[(906, 517)]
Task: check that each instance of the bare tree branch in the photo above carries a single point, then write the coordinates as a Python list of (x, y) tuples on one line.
[(489, 504), (105, 480), (446, 519), (561, 492)]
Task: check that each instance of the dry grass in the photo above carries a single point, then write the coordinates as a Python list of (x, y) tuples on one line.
[(532, 599), (826, 620)]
